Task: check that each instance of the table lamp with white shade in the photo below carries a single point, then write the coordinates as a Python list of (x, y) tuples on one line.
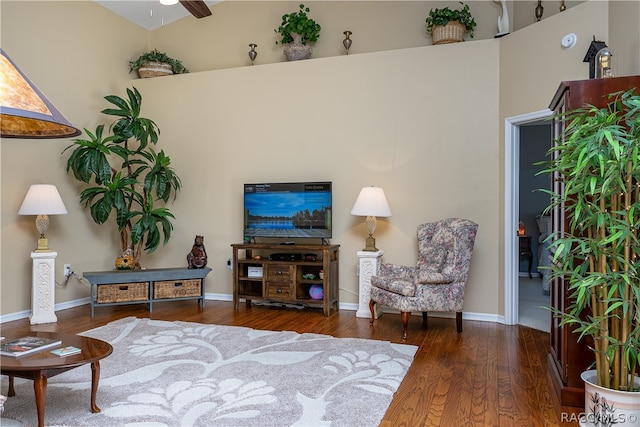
[(372, 203), (42, 200)]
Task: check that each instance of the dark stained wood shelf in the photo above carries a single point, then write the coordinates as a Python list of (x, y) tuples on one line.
[(568, 357), (282, 274)]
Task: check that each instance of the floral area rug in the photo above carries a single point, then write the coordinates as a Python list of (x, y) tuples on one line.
[(189, 374)]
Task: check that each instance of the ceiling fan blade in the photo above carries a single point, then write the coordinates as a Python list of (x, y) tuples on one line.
[(197, 8)]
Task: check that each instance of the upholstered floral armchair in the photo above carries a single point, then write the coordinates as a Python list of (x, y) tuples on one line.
[(438, 280)]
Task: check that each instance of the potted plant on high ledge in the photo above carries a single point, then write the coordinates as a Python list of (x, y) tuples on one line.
[(128, 177), (297, 31), (597, 159), (155, 63), (449, 26)]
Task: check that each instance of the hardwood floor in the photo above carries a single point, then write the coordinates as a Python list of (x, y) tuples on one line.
[(489, 375)]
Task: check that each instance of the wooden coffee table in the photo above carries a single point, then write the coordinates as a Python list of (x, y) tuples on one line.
[(42, 365)]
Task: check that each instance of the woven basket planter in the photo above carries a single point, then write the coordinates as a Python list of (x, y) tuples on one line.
[(453, 32), (155, 69)]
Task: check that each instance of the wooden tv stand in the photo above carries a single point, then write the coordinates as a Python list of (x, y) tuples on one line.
[(280, 273)]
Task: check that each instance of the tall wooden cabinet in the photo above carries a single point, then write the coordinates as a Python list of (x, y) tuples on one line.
[(568, 358)]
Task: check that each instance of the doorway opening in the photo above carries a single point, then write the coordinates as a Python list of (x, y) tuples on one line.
[(512, 209)]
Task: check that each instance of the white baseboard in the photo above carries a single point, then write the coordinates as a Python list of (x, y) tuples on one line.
[(525, 274), (26, 313), (482, 317), (14, 316), (348, 306), (218, 297)]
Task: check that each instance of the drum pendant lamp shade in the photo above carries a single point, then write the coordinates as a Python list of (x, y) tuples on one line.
[(24, 111)]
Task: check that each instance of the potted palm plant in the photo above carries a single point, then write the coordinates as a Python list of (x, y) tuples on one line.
[(127, 177), (450, 25), (598, 161), (155, 63), (297, 31)]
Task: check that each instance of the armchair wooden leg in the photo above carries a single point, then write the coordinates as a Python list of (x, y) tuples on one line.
[(372, 308), (405, 315), (425, 319), (459, 321)]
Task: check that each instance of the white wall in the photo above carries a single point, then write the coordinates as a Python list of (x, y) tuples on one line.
[(624, 37), (424, 123), (396, 126)]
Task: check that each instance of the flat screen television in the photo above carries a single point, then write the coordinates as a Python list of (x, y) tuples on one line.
[(287, 210)]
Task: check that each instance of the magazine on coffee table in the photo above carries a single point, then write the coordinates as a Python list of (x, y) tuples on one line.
[(66, 351), (26, 345)]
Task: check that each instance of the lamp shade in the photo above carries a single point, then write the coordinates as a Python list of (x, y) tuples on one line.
[(168, 2), (42, 199), (371, 202), (24, 111)]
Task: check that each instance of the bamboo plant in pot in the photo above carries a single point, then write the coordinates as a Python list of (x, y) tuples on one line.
[(128, 177), (598, 161)]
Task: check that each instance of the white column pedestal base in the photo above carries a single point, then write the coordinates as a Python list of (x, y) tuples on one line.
[(367, 267), (43, 288)]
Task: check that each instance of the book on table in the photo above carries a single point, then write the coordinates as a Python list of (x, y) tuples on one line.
[(66, 351), (26, 345)]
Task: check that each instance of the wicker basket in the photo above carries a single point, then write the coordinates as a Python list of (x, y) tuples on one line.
[(453, 32), (155, 69), (123, 292), (177, 289)]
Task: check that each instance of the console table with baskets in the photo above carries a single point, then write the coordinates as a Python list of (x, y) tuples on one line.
[(146, 286)]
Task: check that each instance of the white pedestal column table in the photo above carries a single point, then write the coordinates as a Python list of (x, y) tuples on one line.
[(369, 262), (43, 288)]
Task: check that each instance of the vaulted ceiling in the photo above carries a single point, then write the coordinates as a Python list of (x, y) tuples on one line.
[(150, 14)]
